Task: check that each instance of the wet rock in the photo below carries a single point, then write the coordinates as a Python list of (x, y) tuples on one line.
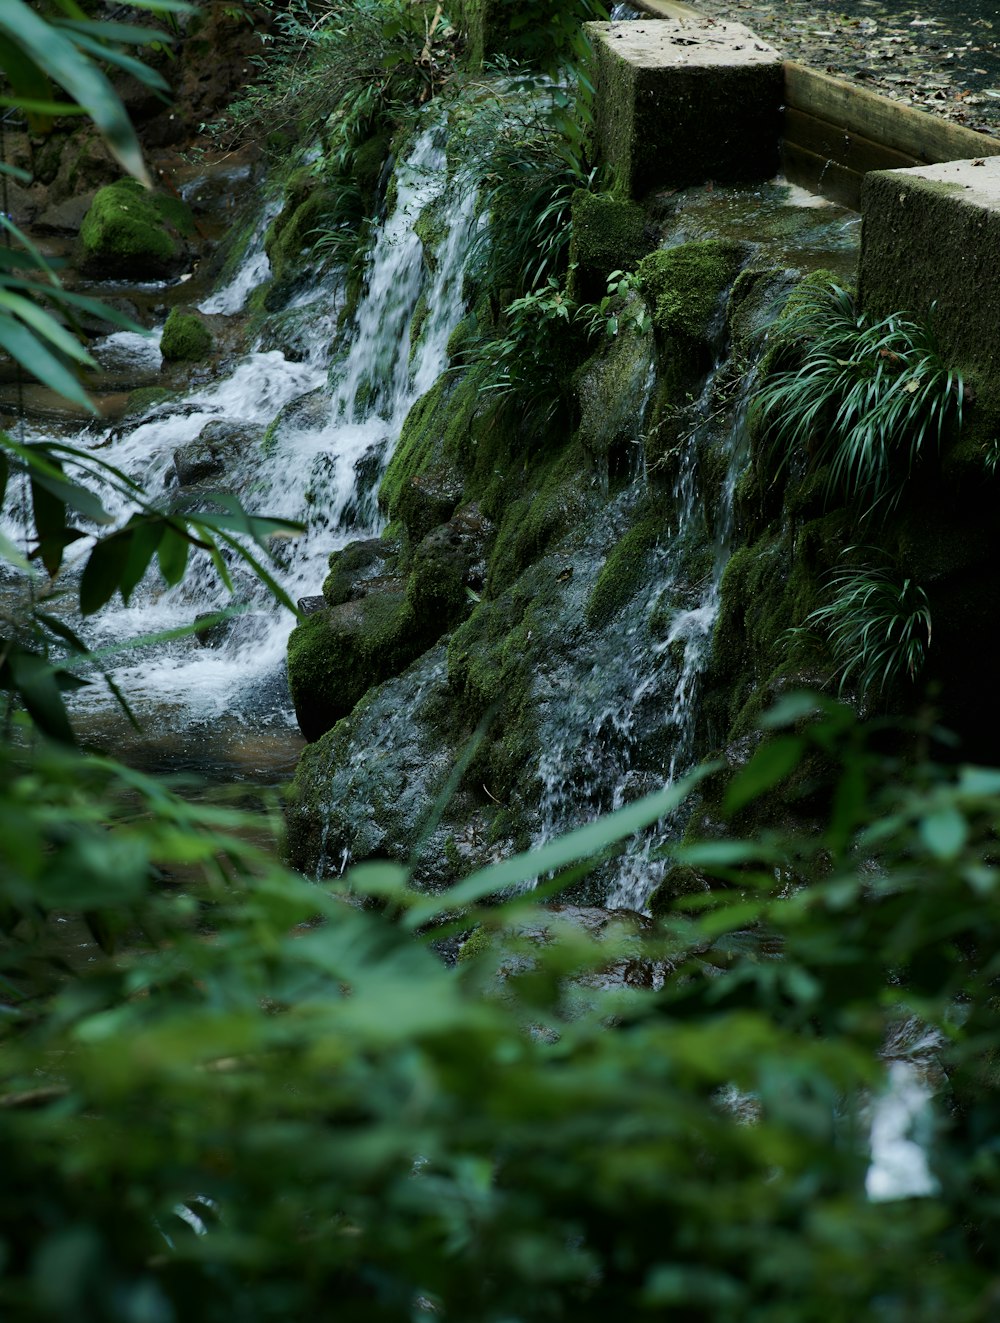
[(448, 567), (427, 500), (608, 235), (368, 787), (218, 445), (358, 569), (337, 654), (63, 217), (310, 605)]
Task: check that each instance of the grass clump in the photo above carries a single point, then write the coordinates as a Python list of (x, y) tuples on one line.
[(864, 400), (877, 625)]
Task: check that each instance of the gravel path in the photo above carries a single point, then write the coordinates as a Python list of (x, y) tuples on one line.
[(945, 59)]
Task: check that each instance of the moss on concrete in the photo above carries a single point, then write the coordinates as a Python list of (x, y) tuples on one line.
[(186, 338), (608, 235)]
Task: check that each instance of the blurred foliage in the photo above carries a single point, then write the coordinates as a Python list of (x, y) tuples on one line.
[(244, 1095), (277, 1103)]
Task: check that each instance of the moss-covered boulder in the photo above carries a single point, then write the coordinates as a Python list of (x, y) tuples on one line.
[(186, 338), (336, 655), (684, 287), (448, 570), (131, 233), (355, 568)]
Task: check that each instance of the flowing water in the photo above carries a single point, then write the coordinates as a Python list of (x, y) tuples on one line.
[(335, 408)]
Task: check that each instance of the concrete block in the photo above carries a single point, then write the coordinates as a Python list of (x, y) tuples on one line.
[(682, 101), (931, 234)]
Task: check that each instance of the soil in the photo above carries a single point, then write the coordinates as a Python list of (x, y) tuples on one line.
[(944, 59)]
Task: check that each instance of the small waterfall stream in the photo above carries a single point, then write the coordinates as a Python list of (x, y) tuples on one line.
[(334, 415)]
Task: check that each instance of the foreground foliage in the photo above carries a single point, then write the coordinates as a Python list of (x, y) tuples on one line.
[(279, 1105)]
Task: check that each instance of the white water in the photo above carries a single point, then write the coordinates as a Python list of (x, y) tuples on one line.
[(340, 417)]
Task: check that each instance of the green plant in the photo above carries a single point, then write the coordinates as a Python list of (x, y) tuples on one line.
[(620, 309), (867, 400), (878, 627), (520, 142)]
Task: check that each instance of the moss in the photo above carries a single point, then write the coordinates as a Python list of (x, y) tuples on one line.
[(624, 570), (680, 880), (145, 398), (479, 942), (417, 322), (555, 502), (608, 388), (684, 285), (186, 338), (435, 588), (356, 563), (126, 233), (608, 235), (294, 231), (335, 656)]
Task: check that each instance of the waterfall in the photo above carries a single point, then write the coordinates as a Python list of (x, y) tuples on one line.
[(332, 425)]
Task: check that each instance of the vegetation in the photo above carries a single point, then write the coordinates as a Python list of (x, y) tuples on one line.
[(186, 338), (878, 627), (866, 400), (261, 1097)]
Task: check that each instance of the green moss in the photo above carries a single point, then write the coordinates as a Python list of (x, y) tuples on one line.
[(186, 338), (145, 398), (294, 231), (358, 561), (684, 285), (624, 570), (125, 232), (435, 589), (608, 235), (335, 656), (556, 501)]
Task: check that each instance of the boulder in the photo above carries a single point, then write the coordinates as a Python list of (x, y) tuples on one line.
[(186, 338), (130, 233), (218, 445)]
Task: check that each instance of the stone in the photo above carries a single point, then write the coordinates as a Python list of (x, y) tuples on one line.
[(931, 236), (185, 339), (680, 101), (218, 445), (131, 233)]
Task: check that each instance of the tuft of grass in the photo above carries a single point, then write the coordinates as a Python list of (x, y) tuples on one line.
[(865, 399), (878, 627)]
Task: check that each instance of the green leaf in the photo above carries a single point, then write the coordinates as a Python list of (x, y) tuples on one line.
[(944, 833), (172, 553), (45, 324), (25, 348), (103, 570), (56, 53), (146, 535), (35, 681)]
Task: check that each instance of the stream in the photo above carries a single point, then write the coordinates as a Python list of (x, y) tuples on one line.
[(316, 408)]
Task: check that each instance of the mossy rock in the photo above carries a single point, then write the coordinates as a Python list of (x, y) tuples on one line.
[(610, 390), (354, 567), (130, 233), (335, 656), (186, 338), (294, 231), (429, 499), (684, 286), (624, 570), (145, 399), (608, 235), (447, 564)]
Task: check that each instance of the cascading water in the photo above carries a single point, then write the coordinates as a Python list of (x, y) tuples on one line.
[(332, 431)]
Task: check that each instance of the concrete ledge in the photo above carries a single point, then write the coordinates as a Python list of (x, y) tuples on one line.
[(681, 101), (932, 235)]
